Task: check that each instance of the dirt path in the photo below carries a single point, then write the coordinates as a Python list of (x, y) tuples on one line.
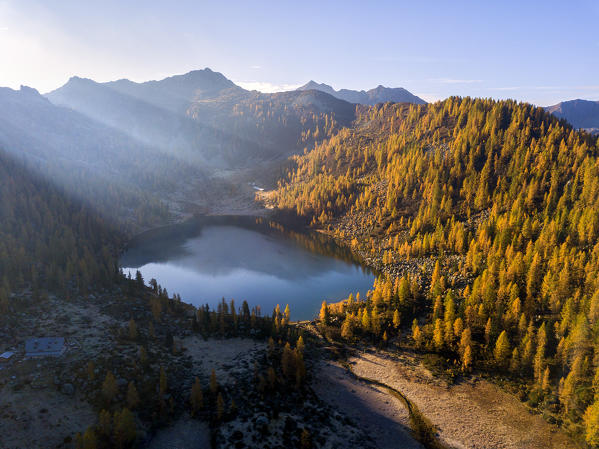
[(380, 415), (470, 415)]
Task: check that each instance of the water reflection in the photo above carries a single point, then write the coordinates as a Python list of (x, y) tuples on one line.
[(247, 259)]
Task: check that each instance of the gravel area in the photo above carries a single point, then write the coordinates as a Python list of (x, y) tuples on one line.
[(470, 415)]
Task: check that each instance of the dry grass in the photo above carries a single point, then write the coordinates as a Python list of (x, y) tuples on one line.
[(468, 415)]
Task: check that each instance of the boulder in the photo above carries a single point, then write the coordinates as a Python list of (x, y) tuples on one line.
[(68, 389)]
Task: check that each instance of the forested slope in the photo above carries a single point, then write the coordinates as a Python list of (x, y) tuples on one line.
[(486, 214), (49, 241)]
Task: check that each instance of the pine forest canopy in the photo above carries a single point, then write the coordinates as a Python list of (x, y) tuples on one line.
[(504, 197)]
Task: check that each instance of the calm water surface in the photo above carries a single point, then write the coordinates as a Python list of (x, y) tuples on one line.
[(245, 258)]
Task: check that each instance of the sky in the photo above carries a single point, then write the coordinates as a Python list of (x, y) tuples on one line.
[(542, 52)]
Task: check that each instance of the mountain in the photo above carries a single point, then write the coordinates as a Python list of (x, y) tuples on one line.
[(98, 163), (483, 217), (175, 93), (379, 94), (203, 118), (580, 113), (159, 120), (47, 237)]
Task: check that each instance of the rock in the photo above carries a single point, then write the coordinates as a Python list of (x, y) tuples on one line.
[(262, 423), (68, 389), (237, 435), (290, 425)]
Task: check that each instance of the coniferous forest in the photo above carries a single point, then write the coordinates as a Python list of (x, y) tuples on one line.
[(379, 229), (48, 240), (483, 216)]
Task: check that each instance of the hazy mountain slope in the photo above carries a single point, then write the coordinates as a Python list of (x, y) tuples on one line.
[(580, 113), (204, 117), (48, 238), (157, 126), (142, 120), (278, 124), (379, 94), (94, 161), (177, 92)]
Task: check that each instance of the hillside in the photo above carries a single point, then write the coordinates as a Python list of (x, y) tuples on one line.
[(483, 216), (579, 113), (175, 93), (84, 157), (204, 119), (49, 240), (379, 94)]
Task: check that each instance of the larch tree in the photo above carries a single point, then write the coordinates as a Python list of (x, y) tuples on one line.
[(502, 350), (213, 382), (132, 329), (220, 407), (163, 381), (591, 424), (196, 397), (125, 430), (323, 316), (109, 387), (467, 359), (396, 319), (132, 396)]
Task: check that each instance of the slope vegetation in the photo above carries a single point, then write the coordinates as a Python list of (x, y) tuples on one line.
[(49, 241), (483, 214)]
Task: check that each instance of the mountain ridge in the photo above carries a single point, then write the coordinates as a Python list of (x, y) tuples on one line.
[(579, 113), (204, 112), (379, 94)]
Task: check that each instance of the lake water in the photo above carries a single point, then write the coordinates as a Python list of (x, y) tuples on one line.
[(247, 258)]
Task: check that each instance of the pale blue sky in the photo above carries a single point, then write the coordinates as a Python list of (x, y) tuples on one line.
[(537, 51)]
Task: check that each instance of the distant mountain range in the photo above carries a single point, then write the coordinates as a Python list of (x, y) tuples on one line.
[(580, 113), (204, 116), (153, 135), (135, 143), (379, 94), (94, 161)]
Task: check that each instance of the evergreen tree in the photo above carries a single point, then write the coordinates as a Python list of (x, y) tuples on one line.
[(213, 382), (591, 424), (324, 313), (163, 381), (196, 397), (124, 428), (502, 350), (132, 396), (132, 329), (220, 407), (396, 319), (109, 387)]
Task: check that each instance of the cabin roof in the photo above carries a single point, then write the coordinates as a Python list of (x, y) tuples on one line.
[(6, 355), (44, 346)]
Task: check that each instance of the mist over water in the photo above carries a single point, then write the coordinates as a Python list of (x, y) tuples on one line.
[(244, 258)]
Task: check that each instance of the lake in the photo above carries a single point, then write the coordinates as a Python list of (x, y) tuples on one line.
[(247, 258)]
